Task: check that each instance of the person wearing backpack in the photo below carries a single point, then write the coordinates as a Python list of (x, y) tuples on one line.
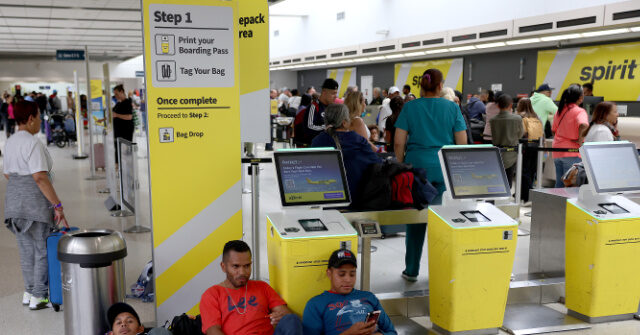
[(356, 150), (424, 126)]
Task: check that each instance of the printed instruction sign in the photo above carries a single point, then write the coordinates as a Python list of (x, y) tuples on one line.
[(192, 78), (192, 46)]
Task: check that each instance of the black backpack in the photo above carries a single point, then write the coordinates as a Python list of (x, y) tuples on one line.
[(375, 187), (186, 325)]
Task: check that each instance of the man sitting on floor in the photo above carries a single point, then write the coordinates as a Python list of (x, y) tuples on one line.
[(343, 309), (241, 306)]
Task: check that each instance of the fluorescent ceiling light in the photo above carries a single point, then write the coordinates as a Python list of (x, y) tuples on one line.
[(436, 51), (393, 56), (524, 41), (560, 37), (635, 29), (346, 61), (320, 64), (490, 45), (376, 58), (465, 48), (413, 54), (605, 32), (333, 62)]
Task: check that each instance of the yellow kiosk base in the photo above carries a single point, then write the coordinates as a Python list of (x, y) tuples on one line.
[(469, 268), (602, 266), (298, 259)]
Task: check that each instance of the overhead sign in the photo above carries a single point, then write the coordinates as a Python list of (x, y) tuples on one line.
[(253, 25), (411, 73), (345, 77), (191, 71), (69, 54), (613, 69)]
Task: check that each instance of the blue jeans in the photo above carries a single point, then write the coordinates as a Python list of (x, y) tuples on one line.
[(290, 324), (562, 166)]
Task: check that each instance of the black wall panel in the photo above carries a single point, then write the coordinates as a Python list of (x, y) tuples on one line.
[(500, 68)]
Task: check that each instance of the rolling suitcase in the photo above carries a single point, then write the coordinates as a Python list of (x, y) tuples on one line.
[(55, 275), (98, 155)]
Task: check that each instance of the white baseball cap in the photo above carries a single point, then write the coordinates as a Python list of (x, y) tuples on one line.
[(393, 89)]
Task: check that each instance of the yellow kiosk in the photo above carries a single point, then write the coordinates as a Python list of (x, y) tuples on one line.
[(471, 243), (302, 237), (603, 236)]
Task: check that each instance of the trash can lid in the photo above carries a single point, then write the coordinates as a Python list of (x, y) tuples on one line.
[(92, 246)]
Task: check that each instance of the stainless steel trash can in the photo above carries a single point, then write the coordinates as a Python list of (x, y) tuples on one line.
[(92, 278)]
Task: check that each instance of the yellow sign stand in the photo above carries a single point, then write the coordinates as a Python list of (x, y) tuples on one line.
[(192, 79)]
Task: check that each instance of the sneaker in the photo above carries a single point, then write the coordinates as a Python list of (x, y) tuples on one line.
[(526, 203), (38, 303), (409, 278), (26, 297)]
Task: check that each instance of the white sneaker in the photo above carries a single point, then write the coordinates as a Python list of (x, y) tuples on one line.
[(38, 303), (26, 298)]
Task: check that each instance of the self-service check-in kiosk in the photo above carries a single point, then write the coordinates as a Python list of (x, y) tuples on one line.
[(301, 238), (471, 244), (603, 236)]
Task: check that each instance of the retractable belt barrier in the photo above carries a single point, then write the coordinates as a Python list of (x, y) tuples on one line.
[(254, 172)]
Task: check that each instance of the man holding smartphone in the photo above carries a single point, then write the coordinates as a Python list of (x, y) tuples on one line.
[(343, 309)]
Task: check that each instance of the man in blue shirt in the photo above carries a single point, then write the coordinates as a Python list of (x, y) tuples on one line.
[(475, 108), (343, 309)]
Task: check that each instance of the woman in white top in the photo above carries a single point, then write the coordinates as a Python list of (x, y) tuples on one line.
[(602, 127), (356, 104), (32, 207)]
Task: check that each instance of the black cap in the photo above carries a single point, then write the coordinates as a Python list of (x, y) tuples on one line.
[(341, 257), (118, 308), (544, 87), (330, 84)]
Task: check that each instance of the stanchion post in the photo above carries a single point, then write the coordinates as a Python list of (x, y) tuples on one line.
[(137, 228), (79, 124), (90, 117), (122, 212), (365, 274), (539, 171), (519, 175), (255, 218)]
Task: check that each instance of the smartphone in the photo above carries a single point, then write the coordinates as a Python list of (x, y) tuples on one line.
[(373, 316)]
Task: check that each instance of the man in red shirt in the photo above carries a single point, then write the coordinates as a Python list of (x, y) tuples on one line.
[(241, 306)]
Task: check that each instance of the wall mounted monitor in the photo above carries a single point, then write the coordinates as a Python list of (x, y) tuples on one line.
[(612, 167), (474, 172), (309, 177)]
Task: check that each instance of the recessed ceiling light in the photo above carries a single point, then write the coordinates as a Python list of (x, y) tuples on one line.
[(465, 48), (437, 51), (605, 32), (560, 37), (490, 45), (524, 41), (413, 54)]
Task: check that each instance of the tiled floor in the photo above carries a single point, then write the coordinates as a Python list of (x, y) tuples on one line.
[(84, 208)]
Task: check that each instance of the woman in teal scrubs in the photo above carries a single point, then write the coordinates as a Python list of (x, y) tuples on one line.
[(423, 127)]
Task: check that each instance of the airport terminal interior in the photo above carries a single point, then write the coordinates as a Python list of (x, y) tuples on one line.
[(287, 125)]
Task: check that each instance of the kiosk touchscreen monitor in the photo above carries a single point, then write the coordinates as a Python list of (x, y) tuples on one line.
[(311, 178), (473, 172), (612, 168)]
